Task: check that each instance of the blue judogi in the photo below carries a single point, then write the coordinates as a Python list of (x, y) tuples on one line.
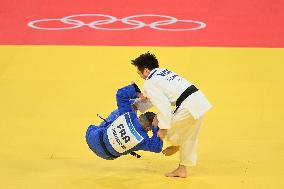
[(122, 132)]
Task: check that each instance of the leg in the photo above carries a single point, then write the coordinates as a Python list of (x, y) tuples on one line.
[(189, 142), (188, 155), (185, 133)]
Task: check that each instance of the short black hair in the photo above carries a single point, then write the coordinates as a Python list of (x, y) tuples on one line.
[(146, 60)]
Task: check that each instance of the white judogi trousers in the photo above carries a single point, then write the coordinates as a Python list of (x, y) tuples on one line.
[(184, 133)]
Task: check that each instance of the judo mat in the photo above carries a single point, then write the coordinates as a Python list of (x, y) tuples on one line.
[(54, 82)]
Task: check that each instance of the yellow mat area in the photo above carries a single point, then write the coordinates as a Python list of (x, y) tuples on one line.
[(50, 94)]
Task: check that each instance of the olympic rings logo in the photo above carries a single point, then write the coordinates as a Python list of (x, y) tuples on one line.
[(74, 22)]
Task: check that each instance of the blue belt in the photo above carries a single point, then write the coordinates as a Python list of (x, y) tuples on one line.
[(105, 148)]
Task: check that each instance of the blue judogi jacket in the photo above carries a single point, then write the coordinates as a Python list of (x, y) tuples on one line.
[(122, 133)]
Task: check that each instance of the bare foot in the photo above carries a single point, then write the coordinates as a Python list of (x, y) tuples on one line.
[(179, 172), (170, 150)]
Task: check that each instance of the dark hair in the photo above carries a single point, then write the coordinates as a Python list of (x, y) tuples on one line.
[(149, 116), (146, 60)]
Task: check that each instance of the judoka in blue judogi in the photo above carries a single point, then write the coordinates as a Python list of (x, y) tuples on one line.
[(122, 132)]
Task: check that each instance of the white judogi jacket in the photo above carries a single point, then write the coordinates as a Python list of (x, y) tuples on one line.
[(164, 87)]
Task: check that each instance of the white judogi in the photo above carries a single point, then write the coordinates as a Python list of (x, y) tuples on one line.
[(163, 88)]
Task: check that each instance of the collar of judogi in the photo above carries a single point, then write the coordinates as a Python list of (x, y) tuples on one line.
[(152, 73)]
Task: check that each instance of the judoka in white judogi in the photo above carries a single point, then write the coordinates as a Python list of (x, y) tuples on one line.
[(164, 88)]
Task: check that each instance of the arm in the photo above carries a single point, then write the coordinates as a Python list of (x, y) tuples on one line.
[(153, 144), (142, 104), (161, 102), (124, 95)]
